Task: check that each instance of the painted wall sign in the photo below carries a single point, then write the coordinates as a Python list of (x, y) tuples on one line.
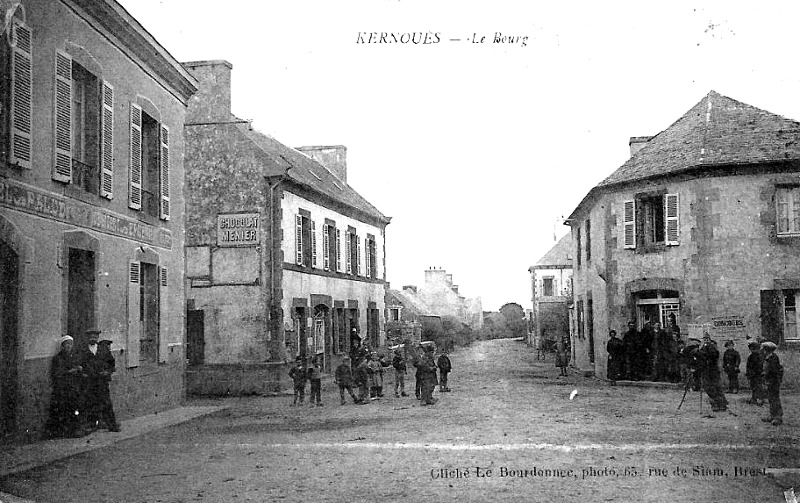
[(44, 204), (238, 229)]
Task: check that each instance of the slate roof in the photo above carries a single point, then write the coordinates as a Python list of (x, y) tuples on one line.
[(558, 254), (717, 130), (410, 301), (310, 173)]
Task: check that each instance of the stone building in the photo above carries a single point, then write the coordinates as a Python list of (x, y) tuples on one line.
[(701, 223), (551, 289), (91, 204), (284, 258), (442, 297), (407, 317)]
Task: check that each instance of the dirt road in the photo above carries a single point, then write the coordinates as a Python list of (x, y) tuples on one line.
[(510, 430)]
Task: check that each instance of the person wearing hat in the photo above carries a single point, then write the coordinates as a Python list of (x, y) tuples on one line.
[(690, 362), (709, 374), (773, 376), (66, 374), (754, 371), (427, 366), (98, 365), (730, 364)]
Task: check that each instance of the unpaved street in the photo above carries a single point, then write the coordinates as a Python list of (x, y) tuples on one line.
[(508, 432)]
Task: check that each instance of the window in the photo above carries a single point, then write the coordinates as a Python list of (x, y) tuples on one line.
[(394, 314), (588, 240), (84, 116), (353, 252), (305, 240), (330, 247), (788, 207), (651, 221), (790, 315), (547, 287), (149, 165), (578, 242), (146, 300), (19, 101), (579, 314), (370, 256)]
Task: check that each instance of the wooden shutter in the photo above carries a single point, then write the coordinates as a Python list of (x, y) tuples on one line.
[(313, 244), (348, 252), (326, 251), (772, 315), (672, 230), (62, 163), (367, 263), (360, 271), (164, 165), (135, 182), (298, 239), (133, 343), (107, 142), (338, 250), (21, 96), (163, 315), (629, 224)]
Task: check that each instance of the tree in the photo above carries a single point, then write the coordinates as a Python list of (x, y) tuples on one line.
[(514, 315)]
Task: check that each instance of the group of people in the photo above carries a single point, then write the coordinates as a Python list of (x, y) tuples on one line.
[(662, 355), (363, 371), (653, 353), (81, 400)]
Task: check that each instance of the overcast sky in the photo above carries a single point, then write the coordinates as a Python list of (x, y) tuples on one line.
[(476, 149)]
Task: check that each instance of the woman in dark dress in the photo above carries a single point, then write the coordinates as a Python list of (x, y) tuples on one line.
[(66, 375)]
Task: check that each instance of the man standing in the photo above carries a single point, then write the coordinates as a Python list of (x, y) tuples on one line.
[(709, 356), (773, 376), (98, 365), (616, 357), (444, 368), (427, 367), (630, 339), (399, 364)]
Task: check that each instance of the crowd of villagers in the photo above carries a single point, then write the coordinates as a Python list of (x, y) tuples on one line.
[(363, 372)]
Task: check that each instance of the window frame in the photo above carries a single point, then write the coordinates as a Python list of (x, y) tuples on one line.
[(793, 193)]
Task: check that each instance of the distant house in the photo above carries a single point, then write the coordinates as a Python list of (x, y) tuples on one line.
[(702, 224), (551, 288), (407, 317), (284, 257), (442, 297)]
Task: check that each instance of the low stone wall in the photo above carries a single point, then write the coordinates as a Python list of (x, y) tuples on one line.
[(237, 379)]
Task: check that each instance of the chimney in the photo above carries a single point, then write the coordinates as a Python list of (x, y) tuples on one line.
[(333, 157), (449, 279), (410, 288), (455, 288), (637, 142), (212, 102)]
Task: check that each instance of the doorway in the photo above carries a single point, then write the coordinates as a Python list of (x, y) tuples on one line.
[(9, 338), (80, 294), (195, 336)]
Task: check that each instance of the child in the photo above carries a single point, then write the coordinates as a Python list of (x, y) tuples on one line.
[(298, 375), (773, 375), (444, 368), (399, 364), (755, 373), (730, 364), (561, 357), (362, 381), (344, 378), (315, 376), (376, 374)]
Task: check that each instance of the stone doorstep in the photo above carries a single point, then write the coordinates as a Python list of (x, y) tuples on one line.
[(20, 458)]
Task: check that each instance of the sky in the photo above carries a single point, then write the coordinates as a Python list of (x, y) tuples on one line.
[(478, 148)]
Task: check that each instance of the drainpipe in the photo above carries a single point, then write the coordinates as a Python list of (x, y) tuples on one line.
[(272, 183)]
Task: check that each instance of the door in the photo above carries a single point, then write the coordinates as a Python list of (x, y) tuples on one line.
[(195, 336), (80, 293), (9, 338)]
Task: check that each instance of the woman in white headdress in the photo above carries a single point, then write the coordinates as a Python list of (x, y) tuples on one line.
[(66, 375)]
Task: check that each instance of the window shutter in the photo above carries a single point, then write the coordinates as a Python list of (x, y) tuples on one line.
[(313, 244), (360, 272), (348, 252), (629, 224), (21, 93), (133, 343), (62, 164), (298, 239), (367, 268), (326, 251), (338, 250), (107, 143), (672, 230), (163, 314), (164, 158), (135, 191)]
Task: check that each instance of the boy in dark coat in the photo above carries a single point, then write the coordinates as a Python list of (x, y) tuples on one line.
[(444, 368), (773, 376), (400, 371), (730, 364), (315, 378), (362, 381), (427, 367), (344, 378), (616, 357), (298, 375), (754, 371)]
